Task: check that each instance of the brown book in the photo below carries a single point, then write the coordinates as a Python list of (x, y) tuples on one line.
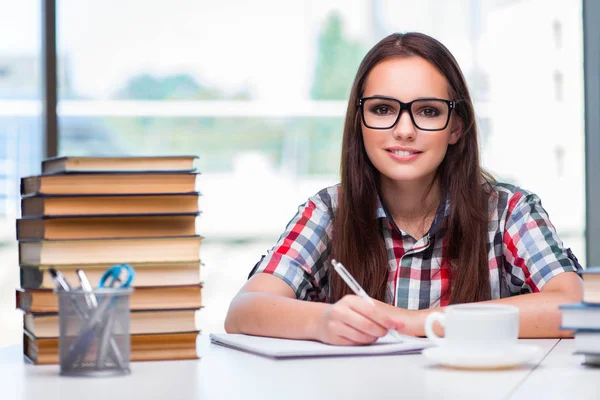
[(88, 164), (109, 183), (106, 251), (123, 204), (591, 285), (143, 298), (103, 227), (157, 274), (151, 347), (155, 321)]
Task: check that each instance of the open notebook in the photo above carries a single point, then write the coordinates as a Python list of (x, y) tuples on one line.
[(287, 348)]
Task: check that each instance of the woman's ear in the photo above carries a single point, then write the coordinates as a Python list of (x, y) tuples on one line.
[(456, 131)]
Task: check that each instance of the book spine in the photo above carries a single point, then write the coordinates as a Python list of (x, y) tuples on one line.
[(31, 277)]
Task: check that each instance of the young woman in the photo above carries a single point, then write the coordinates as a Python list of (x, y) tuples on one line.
[(415, 219)]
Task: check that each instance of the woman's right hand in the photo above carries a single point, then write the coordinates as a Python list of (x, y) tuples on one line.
[(353, 321)]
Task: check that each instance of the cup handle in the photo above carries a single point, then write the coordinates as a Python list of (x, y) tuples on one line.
[(429, 321)]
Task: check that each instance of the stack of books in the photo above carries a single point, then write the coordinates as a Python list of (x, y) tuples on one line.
[(584, 318), (90, 213)]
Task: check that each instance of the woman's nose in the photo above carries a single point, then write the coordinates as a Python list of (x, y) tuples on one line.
[(404, 128)]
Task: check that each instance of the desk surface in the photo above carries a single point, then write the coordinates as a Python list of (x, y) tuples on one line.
[(561, 374), (223, 373)]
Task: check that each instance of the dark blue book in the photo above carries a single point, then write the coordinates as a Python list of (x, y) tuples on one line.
[(580, 316), (591, 271), (590, 359)]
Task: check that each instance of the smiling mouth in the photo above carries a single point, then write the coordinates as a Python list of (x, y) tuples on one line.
[(404, 153)]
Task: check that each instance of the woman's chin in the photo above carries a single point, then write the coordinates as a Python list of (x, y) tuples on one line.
[(408, 176)]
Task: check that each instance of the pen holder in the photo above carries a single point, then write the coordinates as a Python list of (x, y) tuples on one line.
[(94, 338)]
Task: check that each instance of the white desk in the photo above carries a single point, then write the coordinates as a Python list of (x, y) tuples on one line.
[(224, 373), (561, 376)]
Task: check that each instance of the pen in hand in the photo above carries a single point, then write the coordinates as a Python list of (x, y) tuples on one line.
[(359, 291)]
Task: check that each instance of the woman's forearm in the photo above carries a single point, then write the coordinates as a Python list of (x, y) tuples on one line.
[(265, 314), (539, 315)]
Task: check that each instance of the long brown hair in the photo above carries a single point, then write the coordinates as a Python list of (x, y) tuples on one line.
[(357, 240)]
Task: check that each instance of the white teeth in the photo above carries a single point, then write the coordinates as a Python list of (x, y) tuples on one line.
[(403, 153)]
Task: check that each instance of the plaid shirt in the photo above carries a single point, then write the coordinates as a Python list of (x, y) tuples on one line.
[(524, 251)]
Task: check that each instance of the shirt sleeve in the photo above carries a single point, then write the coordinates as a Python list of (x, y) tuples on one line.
[(533, 251), (300, 255)]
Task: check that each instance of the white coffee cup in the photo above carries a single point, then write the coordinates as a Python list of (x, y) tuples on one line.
[(475, 326)]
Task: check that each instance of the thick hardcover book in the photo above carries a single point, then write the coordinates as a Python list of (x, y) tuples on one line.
[(106, 251), (110, 204), (140, 322), (109, 183), (150, 347), (590, 359), (146, 274), (97, 164), (106, 227), (580, 316), (143, 298), (587, 341)]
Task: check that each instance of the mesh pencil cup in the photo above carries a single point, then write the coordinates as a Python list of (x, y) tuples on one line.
[(94, 336)]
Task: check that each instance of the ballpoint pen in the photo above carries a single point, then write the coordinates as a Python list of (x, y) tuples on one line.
[(90, 299), (61, 283), (59, 280), (359, 291)]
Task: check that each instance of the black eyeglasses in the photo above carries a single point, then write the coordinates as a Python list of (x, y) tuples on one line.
[(428, 114)]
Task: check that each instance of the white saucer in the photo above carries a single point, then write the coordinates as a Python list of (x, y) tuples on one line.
[(484, 359)]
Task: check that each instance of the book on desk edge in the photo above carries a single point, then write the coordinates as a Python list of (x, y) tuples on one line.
[(589, 359), (580, 316), (590, 270)]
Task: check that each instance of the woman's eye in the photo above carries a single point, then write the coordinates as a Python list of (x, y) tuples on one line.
[(382, 110), (429, 112)]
